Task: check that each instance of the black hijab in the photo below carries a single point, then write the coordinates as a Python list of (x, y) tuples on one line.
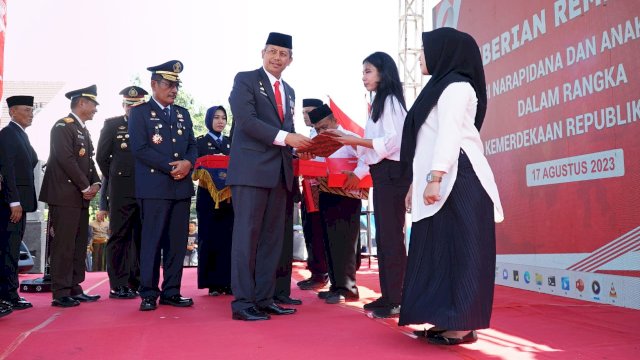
[(451, 56), (208, 118)]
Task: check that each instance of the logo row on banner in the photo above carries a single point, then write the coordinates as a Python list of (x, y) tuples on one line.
[(595, 287)]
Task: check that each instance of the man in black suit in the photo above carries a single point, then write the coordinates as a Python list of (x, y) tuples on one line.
[(17, 161), (164, 148), (70, 182), (260, 174), (116, 163)]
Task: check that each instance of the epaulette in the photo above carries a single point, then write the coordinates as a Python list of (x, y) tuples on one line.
[(68, 120), (180, 107)]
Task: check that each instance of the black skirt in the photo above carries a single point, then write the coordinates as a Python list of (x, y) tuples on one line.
[(451, 264), (215, 229)]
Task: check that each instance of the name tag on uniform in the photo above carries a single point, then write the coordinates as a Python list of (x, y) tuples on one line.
[(81, 137)]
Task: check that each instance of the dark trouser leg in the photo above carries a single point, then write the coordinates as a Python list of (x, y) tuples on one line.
[(342, 227), (153, 212), (390, 189), (68, 249), (257, 243), (314, 240), (283, 271), (124, 214), (10, 239), (175, 246)]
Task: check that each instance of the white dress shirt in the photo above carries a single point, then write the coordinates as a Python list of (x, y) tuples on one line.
[(17, 203), (279, 140), (449, 128), (386, 134)]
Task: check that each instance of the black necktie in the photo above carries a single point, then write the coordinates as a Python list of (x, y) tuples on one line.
[(219, 142), (166, 111)]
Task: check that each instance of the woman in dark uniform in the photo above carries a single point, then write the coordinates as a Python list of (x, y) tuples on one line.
[(215, 221)]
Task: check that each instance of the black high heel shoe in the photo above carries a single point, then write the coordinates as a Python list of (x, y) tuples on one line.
[(438, 339), (428, 333)]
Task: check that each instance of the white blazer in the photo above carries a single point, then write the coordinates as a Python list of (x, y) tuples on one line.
[(449, 128)]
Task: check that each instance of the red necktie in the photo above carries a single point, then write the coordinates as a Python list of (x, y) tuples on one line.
[(276, 91)]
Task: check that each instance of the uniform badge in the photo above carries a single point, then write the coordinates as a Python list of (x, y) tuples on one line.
[(179, 131), (82, 152), (68, 120), (123, 145), (121, 127), (153, 114), (177, 67), (156, 138), (209, 144), (133, 92), (126, 136), (119, 137), (179, 115)]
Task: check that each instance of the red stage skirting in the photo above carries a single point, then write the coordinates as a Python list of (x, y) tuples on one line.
[(525, 325)]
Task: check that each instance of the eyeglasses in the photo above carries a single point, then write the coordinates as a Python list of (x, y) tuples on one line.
[(169, 85)]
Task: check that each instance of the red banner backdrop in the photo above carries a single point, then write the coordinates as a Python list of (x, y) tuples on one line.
[(562, 130)]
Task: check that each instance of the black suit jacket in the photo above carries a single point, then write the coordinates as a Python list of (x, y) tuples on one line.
[(174, 141), (115, 159), (208, 146), (255, 160), (17, 161), (70, 168)]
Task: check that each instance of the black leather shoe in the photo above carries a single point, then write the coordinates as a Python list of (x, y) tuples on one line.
[(275, 309), (250, 314), (325, 294), (215, 292), (337, 298), (439, 339), (122, 292), (86, 297), (19, 304), (65, 301), (378, 303), (287, 300), (148, 303), (5, 310), (312, 284), (176, 300), (391, 311)]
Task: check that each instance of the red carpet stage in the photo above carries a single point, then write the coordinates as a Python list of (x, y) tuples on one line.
[(525, 325)]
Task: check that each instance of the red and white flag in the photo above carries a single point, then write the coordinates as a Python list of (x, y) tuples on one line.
[(344, 120)]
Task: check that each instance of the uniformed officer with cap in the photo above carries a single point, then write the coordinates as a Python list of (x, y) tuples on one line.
[(70, 182), (18, 196), (164, 148), (116, 163)]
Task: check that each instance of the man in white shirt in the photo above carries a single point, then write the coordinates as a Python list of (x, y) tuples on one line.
[(340, 213)]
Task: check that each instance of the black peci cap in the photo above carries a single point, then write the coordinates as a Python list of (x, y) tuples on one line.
[(319, 113), (279, 39), (311, 102), (20, 100)]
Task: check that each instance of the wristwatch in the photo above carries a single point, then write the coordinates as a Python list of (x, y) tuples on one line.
[(433, 178)]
